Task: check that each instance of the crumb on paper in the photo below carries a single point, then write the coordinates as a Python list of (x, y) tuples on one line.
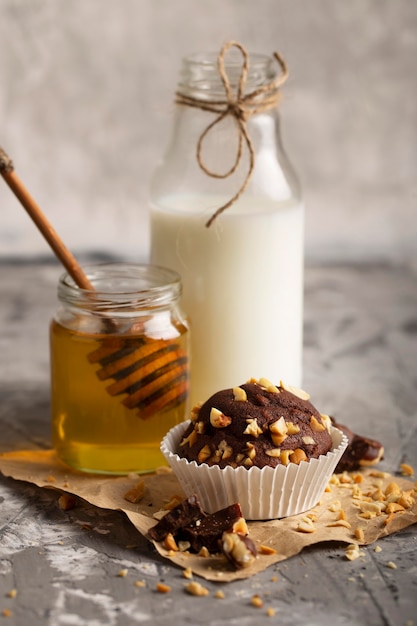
[(136, 493)]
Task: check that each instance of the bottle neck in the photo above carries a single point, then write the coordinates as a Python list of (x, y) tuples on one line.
[(200, 77)]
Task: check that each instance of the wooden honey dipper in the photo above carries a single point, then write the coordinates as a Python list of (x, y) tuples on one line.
[(152, 374)]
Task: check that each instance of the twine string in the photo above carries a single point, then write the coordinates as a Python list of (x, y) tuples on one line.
[(240, 107)]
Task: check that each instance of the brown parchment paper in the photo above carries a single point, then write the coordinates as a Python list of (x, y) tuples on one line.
[(43, 469)]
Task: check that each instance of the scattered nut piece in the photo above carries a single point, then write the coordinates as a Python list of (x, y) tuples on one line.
[(270, 612), (163, 588), (359, 534), (12, 593), (204, 552), (6, 613), (391, 565), (135, 494), (239, 394), (191, 439), (406, 469), (263, 549), (306, 525), (353, 552), (122, 573), (339, 522), (219, 594), (196, 589), (377, 549), (335, 506), (140, 583), (257, 601), (187, 573)]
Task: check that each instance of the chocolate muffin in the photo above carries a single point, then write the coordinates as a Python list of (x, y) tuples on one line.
[(256, 424)]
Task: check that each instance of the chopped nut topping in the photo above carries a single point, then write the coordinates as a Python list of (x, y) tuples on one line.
[(293, 429), (297, 456), (265, 383), (195, 412), (200, 428), (239, 394), (300, 393), (191, 439), (224, 451), (204, 454), (316, 426), (252, 427), (251, 450), (279, 427), (326, 421), (196, 589), (277, 440), (274, 452), (285, 456), (309, 441), (218, 419)]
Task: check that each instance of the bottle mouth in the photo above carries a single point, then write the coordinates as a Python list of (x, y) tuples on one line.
[(200, 73), (122, 286)]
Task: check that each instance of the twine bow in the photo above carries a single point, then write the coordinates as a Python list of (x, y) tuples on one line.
[(241, 107)]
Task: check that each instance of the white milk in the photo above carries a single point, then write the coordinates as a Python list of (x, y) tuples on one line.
[(243, 287)]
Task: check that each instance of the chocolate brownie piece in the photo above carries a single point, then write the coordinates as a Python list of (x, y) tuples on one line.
[(207, 531), (256, 424), (360, 451)]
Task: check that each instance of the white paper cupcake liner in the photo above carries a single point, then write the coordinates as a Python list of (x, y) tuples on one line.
[(267, 493)]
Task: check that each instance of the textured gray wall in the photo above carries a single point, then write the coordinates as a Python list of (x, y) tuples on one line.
[(86, 91)]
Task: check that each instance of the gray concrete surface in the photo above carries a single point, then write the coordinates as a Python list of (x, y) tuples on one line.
[(360, 364), (86, 96)]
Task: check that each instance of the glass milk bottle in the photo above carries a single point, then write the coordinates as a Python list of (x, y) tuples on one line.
[(242, 267)]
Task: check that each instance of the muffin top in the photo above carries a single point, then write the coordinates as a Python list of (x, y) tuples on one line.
[(256, 424)]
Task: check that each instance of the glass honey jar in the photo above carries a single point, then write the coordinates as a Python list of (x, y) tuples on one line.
[(119, 367)]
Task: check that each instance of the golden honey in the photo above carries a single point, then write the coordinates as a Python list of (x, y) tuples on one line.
[(118, 383)]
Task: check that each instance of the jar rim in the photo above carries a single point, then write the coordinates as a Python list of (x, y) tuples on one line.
[(122, 285)]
